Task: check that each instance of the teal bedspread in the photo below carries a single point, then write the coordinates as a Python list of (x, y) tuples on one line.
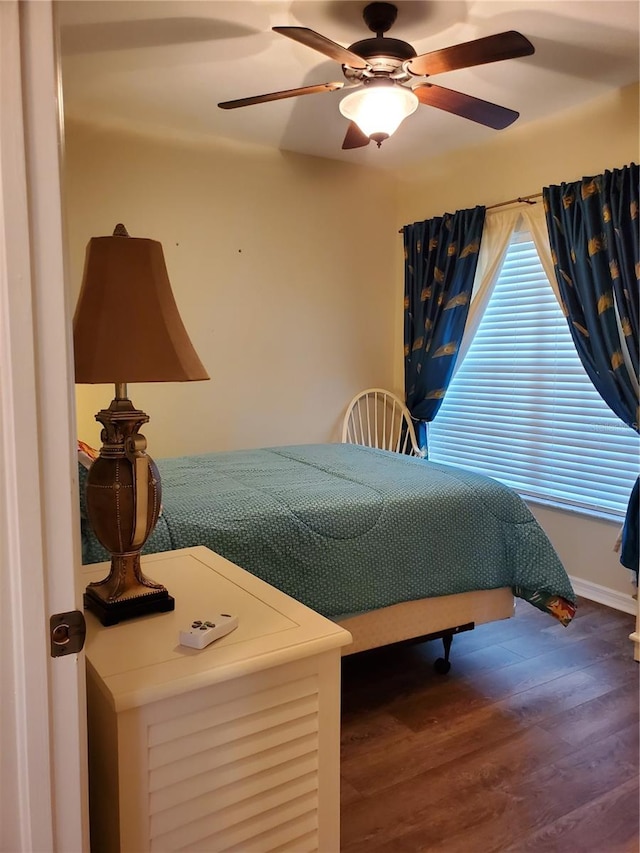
[(346, 529)]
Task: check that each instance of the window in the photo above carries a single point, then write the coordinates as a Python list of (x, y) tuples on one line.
[(522, 409)]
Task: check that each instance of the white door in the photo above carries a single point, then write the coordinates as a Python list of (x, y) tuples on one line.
[(43, 800)]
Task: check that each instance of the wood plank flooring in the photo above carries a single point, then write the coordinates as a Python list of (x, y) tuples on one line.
[(530, 743)]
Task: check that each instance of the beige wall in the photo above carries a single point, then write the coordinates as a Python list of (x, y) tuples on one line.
[(602, 135), (586, 547), (283, 268), (293, 297)]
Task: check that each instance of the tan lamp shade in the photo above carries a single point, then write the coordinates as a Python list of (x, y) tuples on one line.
[(126, 326)]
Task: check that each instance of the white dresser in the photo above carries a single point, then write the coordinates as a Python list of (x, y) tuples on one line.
[(235, 747)]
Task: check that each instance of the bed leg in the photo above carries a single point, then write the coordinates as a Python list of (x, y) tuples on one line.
[(442, 665)]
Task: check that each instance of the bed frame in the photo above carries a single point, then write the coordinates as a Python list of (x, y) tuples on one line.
[(427, 619)]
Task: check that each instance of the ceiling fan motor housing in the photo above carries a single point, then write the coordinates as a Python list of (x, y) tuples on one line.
[(383, 47), (380, 17), (385, 55)]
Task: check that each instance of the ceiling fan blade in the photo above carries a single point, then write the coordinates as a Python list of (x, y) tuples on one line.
[(509, 45), (483, 112), (278, 96), (354, 137), (314, 40)]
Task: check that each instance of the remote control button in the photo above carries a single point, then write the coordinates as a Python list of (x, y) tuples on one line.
[(210, 624), (203, 627), (196, 624)]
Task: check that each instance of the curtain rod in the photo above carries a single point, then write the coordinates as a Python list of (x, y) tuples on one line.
[(524, 199)]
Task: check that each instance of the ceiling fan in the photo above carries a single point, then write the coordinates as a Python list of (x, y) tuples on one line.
[(381, 69)]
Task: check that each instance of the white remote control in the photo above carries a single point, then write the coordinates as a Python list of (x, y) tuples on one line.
[(202, 632)]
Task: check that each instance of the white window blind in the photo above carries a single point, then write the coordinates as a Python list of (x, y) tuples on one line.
[(522, 409)]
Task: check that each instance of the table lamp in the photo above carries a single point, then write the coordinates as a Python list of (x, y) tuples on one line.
[(127, 328)]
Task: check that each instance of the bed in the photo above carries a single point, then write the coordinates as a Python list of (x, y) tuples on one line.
[(390, 546)]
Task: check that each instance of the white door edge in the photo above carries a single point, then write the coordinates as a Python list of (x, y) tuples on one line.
[(43, 776)]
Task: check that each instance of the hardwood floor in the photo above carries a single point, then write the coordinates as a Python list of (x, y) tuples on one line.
[(530, 743)]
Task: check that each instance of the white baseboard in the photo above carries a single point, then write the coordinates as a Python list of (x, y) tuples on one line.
[(604, 595)]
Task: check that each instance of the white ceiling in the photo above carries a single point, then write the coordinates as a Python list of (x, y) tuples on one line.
[(166, 64)]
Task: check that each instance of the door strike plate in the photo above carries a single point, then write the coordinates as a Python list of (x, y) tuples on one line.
[(67, 632)]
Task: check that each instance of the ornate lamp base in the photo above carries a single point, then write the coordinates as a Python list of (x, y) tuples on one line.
[(123, 503), (112, 612), (139, 595)]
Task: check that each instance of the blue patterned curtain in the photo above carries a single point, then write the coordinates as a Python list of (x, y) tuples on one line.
[(441, 256), (593, 231)]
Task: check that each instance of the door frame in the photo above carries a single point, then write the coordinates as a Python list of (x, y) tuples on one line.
[(43, 773)]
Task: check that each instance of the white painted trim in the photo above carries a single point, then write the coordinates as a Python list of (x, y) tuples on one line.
[(56, 418), (42, 713), (635, 639), (27, 818), (603, 595)]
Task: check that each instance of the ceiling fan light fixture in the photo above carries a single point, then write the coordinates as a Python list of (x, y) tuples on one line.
[(379, 108)]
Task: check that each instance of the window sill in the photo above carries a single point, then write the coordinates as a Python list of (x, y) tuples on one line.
[(601, 515)]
